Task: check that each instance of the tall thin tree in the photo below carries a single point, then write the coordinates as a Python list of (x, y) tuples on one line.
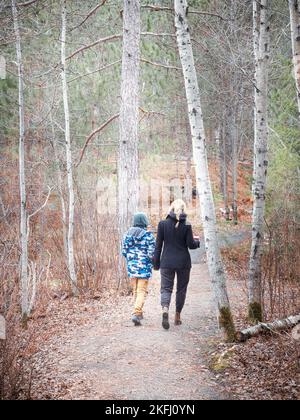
[(295, 35), (215, 264), (128, 164), (22, 175), (261, 38), (71, 212)]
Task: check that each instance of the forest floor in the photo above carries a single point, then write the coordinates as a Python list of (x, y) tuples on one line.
[(106, 357)]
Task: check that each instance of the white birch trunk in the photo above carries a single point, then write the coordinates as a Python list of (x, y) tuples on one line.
[(224, 172), (23, 223), (128, 166), (188, 188), (215, 264), (71, 259), (295, 36), (275, 326), (261, 35)]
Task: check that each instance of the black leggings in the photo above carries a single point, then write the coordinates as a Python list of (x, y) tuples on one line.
[(167, 285)]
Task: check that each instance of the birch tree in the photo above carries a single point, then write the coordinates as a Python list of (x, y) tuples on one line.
[(295, 36), (128, 168), (224, 171), (22, 176), (60, 190), (71, 210), (215, 264), (261, 35)]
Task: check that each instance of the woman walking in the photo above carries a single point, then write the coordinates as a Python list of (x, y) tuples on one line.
[(172, 257)]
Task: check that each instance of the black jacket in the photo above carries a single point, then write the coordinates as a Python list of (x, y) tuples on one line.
[(173, 244)]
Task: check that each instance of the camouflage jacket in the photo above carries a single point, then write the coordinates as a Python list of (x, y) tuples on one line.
[(138, 249)]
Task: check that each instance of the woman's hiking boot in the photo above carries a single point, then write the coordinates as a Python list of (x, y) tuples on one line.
[(136, 319), (178, 319), (165, 319)]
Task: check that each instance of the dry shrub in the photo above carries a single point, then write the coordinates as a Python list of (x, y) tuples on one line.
[(281, 268), (16, 369), (16, 352), (97, 250)]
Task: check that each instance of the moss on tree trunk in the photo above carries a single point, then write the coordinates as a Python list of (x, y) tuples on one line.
[(226, 322), (255, 312)]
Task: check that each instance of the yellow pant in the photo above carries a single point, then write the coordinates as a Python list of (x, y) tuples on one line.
[(140, 291)]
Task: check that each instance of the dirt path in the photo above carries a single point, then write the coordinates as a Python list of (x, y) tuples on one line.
[(112, 359)]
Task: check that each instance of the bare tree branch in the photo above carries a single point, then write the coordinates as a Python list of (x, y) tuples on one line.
[(165, 66), (90, 137), (30, 216), (157, 8), (199, 12), (170, 9), (89, 15), (99, 41), (27, 3), (158, 35), (95, 71), (112, 38)]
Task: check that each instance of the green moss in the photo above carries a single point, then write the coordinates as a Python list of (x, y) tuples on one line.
[(255, 312), (222, 361), (226, 322), (24, 321)]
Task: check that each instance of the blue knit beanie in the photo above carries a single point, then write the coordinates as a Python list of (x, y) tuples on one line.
[(140, 220)]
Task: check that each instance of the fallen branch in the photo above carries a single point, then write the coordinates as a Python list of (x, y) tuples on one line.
[(99, 41), (89, 138), (272, 327)]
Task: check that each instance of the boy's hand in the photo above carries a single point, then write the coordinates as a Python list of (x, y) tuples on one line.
[(197, 238)]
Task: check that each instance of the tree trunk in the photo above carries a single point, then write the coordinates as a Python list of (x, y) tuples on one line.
[(189, 174), (128, 162), (224, 171), (71, 260), (279, 325), (128, 166), (61, 192), (234, 146), (295, 35), (215, 264), (261, 53), (23, 223)]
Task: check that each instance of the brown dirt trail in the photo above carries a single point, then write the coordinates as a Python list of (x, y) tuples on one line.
[(109, 358)]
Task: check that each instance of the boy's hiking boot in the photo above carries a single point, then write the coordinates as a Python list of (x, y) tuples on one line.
[(136, 319), (178, 319), (165, 319)]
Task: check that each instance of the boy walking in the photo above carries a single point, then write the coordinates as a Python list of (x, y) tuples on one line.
[(138, 249)]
